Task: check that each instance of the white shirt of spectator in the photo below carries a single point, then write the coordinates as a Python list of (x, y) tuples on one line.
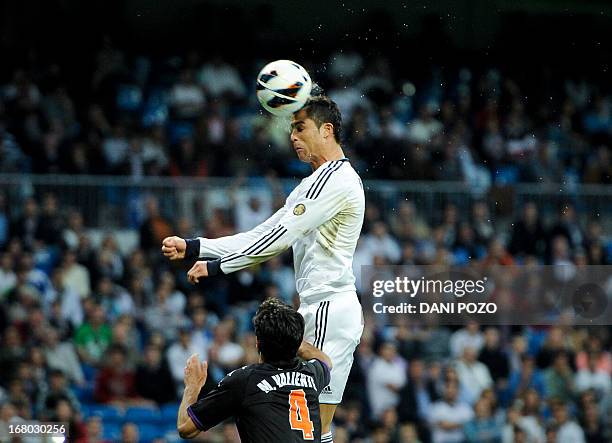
[(177, 357), (77, 278), (380, 374), (386, 246), (462, 339), (218, 79), (245, 215), (8, 279), (474, 378), (570, 432), (530, 425), (598, 380), (459, 413), (421, 131)]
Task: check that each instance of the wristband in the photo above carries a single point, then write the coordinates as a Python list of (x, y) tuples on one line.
[(214, 267), (193, 248)]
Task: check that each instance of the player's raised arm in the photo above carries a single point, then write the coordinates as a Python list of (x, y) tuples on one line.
[(315, 206), (176, 248), (308, 352), (195, 377)]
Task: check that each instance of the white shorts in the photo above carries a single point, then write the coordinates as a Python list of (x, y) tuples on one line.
[(334, 325)]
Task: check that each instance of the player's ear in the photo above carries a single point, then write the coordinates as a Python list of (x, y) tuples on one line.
[(327, 130)]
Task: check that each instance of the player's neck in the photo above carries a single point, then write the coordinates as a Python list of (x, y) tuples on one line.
[(330, 154)]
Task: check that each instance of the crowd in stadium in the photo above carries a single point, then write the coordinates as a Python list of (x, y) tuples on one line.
[(199, 117), (84, 326), (99, 338)]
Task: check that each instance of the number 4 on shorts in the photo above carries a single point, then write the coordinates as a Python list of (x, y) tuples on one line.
[(299, 415)]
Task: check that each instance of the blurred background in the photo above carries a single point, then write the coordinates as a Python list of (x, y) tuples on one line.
[(482, 131)]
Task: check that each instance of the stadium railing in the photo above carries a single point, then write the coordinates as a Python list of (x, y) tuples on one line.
[(118, 202)]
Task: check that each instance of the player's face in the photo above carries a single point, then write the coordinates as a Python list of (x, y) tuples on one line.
[(306, 138)]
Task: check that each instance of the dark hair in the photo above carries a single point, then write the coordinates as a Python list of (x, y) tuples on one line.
[(279, 329), (322, 109)]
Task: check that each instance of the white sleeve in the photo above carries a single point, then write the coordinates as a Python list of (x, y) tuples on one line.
[(219, 247), (312, 208)]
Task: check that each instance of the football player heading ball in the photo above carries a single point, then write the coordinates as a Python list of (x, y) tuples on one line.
[(321, 220)]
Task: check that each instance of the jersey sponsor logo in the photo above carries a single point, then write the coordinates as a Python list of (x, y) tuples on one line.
[(327, 390), (299, 209)]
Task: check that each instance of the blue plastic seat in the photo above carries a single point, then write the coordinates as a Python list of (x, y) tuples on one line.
[(111, 431), (142, 415), (149, 432), (105, 412), (169, 412)]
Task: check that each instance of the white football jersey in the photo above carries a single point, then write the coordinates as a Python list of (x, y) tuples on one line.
[(321, 220)]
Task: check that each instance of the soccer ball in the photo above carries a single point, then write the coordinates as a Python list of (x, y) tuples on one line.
[(283, 87)]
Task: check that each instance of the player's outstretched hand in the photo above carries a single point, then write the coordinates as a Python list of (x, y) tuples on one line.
[(174, 247), (198, 270), (195, 372)]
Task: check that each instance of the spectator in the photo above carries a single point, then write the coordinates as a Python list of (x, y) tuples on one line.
[(568, 431), (385, 378), (8, 279), (93, 431), (559, 379), (224, 351), (473, 375), (115, 383), (74, 275), (93, 337), (447, 417), (68, 299), (568, 227), (153, 378), (593, 426), (155, 227), (65, 413), (469, 336), (250, 211), (115, 299), (380, 242), (593, 378), (221, 79), (528, 235), (57, 390), (177, 355), (187, 100), (73, 230), (27, 225), (416, 397), (527, 377), (51, 225), (484, 428), (62, 356), (129, 433), (425, 127), (493, 357)]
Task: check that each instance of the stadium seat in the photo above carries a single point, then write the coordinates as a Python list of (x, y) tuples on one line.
[(169, 412), (149, 432), (111, 431), (105, 412), (89, 372), (84, 393), (142, 415)]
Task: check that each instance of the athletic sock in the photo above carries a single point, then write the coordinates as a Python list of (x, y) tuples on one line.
[(327, 438)]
